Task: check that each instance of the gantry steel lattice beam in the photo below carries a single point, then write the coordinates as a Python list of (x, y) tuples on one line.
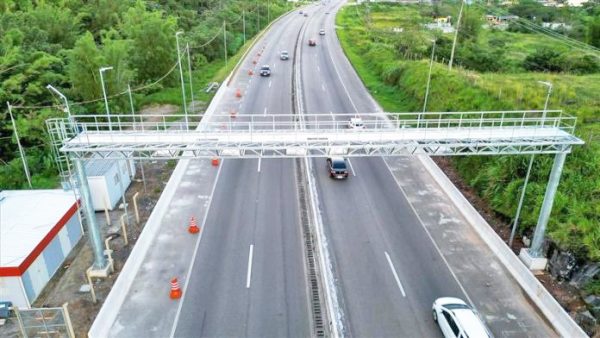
[(316, 135)]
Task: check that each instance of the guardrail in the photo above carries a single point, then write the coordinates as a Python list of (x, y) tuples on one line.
[(320, 122)]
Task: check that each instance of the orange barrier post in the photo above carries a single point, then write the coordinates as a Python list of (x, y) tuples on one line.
[(215, 161), (238, 93), (175, 289)]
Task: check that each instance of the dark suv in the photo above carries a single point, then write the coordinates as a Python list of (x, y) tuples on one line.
[(337, 167)]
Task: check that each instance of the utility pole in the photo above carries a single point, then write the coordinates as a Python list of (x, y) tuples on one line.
[(187, 46), (462, 4), (268, 11), (102, 70), (225, 40), (21, 151), (181, 77)]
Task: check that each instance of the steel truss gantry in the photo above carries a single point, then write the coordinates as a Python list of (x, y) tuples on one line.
[(316, 135)]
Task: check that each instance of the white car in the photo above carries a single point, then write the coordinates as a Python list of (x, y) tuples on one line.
[(356, 123), (322, 32), (458, 320)]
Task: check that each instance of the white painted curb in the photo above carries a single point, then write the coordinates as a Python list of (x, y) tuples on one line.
[(554, 312)]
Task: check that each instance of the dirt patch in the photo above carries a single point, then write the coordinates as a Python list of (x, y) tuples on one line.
[(566, 295)]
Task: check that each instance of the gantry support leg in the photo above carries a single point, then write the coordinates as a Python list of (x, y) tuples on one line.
[(533, 257), (100, 261)]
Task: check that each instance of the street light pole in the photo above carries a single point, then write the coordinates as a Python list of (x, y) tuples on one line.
[(181, 77), (549, 85), (104, 93), (21, 151), (187, 46), (429, 76), (244, 24), (130, 99), (225, 40), (462, 4), (64, 98)]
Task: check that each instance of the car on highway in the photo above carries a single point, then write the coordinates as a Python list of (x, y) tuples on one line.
[(305, 14), (312, 42), (356, 123), (457, 319), (300, 12), (321, 32), (265, 70), (337, 167), (284, 55)]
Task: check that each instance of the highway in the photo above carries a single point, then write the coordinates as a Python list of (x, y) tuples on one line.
[(249, 273), (248, 277)]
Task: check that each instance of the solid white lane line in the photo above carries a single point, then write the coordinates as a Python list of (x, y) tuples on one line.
[(437, 248), (249, 274), (351, 168), (269, 83), (259, 160), (265, 111), (318, 68), (395, 274)]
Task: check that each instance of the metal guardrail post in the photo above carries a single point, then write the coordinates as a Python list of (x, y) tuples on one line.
[(67, 319), (540, 228)]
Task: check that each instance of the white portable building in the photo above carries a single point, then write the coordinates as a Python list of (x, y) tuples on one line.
[(38, 229), (104, 179)]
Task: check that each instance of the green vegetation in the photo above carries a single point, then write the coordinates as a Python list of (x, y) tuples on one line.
[(394, 66), (64, 43)]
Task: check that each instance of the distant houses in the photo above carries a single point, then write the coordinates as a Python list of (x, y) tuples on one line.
[(443, 23), (500, 21)]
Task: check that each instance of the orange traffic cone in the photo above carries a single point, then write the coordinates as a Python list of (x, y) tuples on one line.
[(193, 228), (238, 93), (215, 161), (250, 72), (175, 290)]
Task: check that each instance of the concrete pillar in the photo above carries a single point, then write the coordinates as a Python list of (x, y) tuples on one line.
[(100, 261), (540, 229)]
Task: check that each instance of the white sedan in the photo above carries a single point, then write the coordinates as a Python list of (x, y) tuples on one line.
[(356, 123), (458, 320)]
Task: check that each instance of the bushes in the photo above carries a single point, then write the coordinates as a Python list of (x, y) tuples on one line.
[(549, 60)]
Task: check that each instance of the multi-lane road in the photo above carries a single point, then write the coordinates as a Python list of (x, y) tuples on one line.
[(249, 271)]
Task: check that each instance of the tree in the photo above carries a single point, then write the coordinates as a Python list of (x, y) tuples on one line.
[(84, 60), (153, 41), (593, 32)]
